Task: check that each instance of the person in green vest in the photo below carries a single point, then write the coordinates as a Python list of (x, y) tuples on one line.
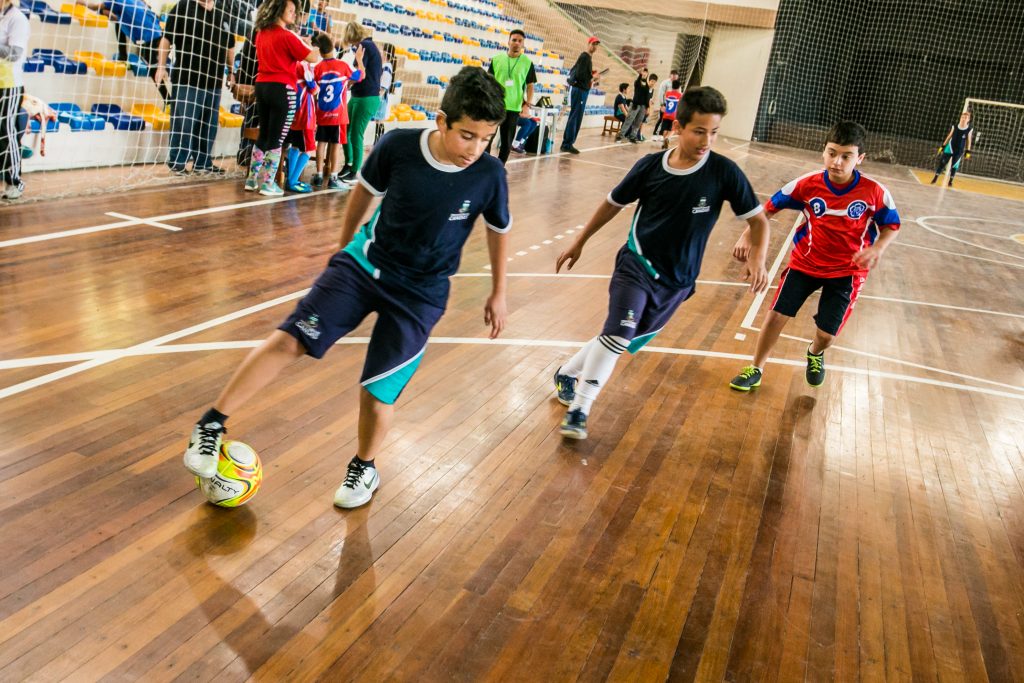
[(515, 73)]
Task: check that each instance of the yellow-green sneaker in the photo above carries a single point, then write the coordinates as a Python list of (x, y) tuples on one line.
[(749, 378)]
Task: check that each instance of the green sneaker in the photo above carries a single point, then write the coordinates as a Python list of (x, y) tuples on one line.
[(815, 374), (749, 378), (574, 426)]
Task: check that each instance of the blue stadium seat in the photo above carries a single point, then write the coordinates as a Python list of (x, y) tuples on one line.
[(47, 14), (59, 62), (117, 118), (137, 65), (51, 126), (72, 114)]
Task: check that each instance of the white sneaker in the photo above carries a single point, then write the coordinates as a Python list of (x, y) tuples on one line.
[(203, 449), (360, 483), (14, 191)]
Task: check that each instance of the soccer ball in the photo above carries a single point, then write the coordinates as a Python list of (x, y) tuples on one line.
[(238, 478)]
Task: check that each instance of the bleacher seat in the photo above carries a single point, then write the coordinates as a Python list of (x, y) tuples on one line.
[(155, 116), (59, 62), (85, 16), (100, 64), (138, 65), (71, 114), (227, 119), (46, 14), (52, 126), (117, 118), (33, 65)]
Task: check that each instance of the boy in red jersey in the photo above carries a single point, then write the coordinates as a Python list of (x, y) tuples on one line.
[(333, 76), (849, 221)]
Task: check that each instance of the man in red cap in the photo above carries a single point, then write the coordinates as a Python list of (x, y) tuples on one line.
[(581, 78)]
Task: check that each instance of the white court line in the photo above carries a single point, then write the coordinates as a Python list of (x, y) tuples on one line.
[(143, 221), (105, 357), (538, 157), (166, 217), (977, 232), (598, 163), (102, 357), (923, 222), (755, 305), (957, 253), (908, 363)]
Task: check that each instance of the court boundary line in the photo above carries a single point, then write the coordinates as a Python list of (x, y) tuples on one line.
[(143, 221)]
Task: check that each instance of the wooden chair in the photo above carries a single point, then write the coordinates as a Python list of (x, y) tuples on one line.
[(611, 126)]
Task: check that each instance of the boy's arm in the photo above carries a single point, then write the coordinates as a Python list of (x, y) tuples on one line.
[(358, 202), (869, 257), (741, 250), (949, 136), (496, 310), (605, 212), (757, 232), (162, 53)]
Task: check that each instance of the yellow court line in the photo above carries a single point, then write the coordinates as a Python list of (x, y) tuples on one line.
[(991, 188)]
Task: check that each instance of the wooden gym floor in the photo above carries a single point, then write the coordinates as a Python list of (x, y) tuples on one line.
[(870, 529)]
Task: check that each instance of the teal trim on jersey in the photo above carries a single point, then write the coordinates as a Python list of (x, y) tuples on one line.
[(387, 387), (641, 341), (360, 244), (634, 246), (948, 149)]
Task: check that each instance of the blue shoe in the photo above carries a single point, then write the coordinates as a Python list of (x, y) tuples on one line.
[(566, 388), (317, 180), (574, 426), (271, 189), (335, 184), (300, 187)]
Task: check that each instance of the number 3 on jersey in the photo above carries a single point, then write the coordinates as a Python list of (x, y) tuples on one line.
[(331, 85)]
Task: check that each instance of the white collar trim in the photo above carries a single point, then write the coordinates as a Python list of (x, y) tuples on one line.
[(425, 150), (686, 171)]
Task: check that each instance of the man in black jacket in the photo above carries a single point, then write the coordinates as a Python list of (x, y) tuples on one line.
[(581, 78)]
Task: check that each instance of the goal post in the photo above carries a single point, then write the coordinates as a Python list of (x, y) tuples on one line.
[(997, 148)]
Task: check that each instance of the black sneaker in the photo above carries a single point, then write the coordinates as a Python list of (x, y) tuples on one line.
[(204, 449), (361, 481), (210, 170), (348, 178), (749, 378), (565, 386), (815, 374), (574, 426)]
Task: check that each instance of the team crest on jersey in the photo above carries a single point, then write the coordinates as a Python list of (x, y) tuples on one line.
[(702, 206), (856, 209), (310, 326), (462, 214), (630, 320), (818, 206)]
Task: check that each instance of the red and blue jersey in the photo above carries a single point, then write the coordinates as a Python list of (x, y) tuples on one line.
[(838, 221)]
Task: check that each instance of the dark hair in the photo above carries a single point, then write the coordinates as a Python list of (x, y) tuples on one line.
[(846, 134), (623, 87), (473, 93), (271, 10), (654, 76), (517, 32), (674, 71), (676, 83), (323, 42), (702, 99)]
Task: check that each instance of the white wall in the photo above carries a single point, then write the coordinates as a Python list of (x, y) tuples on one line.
[(737, 61)]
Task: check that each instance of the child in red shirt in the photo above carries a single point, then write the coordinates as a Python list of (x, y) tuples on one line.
[(300, 141), (669, 107), (332, 76)]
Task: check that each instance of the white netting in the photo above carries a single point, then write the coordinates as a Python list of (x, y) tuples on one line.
[(998, 146)]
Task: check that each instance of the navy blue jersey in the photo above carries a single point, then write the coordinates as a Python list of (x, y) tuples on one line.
[(958, 137), (415, 237), (677, 210)]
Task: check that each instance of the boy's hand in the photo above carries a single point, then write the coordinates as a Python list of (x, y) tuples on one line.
[(868, 258), (757, 275), (570, 255), (741, 250), (495, 313)]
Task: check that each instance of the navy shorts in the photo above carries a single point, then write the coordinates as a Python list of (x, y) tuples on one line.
[(639, 306), (328, 134), (838, 297), (340, 299)]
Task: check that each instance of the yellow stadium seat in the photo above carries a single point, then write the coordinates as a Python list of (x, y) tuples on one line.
[(229, 120), (404, 116), (152, 114), (100, 64), (421, 14), (84, 15), (419, 116)]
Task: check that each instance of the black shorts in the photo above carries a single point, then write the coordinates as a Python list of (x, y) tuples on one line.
[(838, 297), (328, 134), (295, 138)]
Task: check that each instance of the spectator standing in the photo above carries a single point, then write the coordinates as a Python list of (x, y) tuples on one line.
[(581, 78), (203, 46), (387, 86), (277, 51), (642, 88), (14, 32), (516, 74), (365, 99)]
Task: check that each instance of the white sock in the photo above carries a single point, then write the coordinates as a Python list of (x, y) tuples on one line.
[(574, 366), (604, 352)]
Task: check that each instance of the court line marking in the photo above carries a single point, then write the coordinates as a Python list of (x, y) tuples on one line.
[(923, 222), (755, 305), (978, 232), (165, 217), (143, 221), (729, 283), (109, 355), (957, 253)]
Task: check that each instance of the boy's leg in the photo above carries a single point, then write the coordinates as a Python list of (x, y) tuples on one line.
[(838, 297), (375, 419), (257, 370), (794, 288)]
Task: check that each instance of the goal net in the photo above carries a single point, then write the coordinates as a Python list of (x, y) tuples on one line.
[(997, 150)]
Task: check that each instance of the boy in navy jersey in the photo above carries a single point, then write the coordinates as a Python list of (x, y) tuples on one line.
[(434, 184), (836, 245), (679, 194)]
